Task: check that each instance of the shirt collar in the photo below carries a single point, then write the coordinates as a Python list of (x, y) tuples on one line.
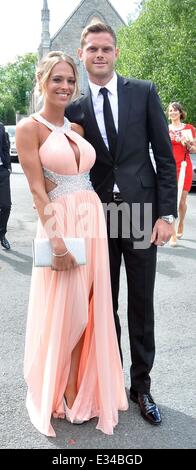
[(111, 86)]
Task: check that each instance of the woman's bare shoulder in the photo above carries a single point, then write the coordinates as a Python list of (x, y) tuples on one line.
[(27, 123), (27, 130)]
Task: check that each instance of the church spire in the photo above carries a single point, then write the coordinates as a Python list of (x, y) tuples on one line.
[(45, 36), (45, 5)]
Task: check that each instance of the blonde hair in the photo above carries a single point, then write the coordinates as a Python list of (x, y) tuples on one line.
[(46, 65)]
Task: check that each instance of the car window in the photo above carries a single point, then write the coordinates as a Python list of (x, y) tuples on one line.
[(11, 130)]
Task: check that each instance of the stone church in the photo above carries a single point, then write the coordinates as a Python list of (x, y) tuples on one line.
[(67, 38)]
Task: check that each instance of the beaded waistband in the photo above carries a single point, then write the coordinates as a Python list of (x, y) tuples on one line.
[(67, 183)]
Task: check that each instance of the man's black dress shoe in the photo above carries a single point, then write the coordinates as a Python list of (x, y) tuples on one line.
[(5, 243), (149, 409)]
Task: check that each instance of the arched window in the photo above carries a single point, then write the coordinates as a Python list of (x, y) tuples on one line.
[(95, 17)]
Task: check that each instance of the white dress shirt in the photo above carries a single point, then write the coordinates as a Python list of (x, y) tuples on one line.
[(97, 99)]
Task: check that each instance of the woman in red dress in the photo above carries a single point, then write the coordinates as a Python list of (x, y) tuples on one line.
[(183, 143)]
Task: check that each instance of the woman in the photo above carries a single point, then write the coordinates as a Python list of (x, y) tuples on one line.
[(182, 137), (72, 364)]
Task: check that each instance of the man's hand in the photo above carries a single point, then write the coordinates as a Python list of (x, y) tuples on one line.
[(162, 232)]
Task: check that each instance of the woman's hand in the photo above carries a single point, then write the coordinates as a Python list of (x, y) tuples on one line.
[(63, 262), (192, 148), (188, 144)]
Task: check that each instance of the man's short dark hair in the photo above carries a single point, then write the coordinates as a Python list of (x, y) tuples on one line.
[(97, 28)]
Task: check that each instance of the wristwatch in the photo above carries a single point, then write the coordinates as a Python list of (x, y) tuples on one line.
[(168, 218)]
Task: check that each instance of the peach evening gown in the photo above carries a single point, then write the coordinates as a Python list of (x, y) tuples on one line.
[(61, 308)]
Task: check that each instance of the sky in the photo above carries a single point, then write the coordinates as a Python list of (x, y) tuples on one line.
[(20, 23)]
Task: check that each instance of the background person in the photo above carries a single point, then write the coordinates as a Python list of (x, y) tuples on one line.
[(5, 194), (123, 173), (182, 137), (72, 362)]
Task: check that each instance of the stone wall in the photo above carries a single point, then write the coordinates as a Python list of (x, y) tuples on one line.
[(68, 36)]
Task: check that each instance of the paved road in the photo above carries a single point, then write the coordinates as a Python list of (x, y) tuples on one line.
[(173, 376)]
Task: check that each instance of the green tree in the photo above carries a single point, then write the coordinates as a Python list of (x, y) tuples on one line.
[(16, 82), (160, 46)]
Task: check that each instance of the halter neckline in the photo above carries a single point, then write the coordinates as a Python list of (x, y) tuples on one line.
[(64, 128)]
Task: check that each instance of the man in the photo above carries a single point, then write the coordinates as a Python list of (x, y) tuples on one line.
[(5, 196), (120, 132)]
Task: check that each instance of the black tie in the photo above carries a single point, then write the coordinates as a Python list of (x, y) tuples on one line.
[(109, 122)]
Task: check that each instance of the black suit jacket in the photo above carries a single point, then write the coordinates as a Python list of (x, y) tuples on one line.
[(141, 121), (4, 148)]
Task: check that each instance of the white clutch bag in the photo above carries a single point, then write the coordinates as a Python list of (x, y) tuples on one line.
[(42, 252)]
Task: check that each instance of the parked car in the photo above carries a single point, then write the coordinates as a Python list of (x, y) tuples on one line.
[(193, 159), (11, 130)]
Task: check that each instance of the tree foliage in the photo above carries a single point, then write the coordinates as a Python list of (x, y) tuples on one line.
[(160, 46), (16, 83)]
